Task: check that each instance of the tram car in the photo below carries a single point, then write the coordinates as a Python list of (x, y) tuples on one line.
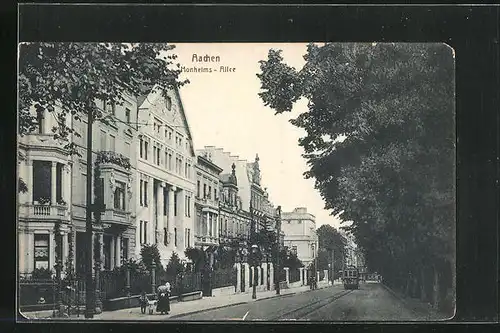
[(350, 277)]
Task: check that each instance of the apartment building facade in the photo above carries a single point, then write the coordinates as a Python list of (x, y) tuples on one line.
[(207, 204), (166, 177), (244, 198), (45, 167), (114, 165), (299, 228)]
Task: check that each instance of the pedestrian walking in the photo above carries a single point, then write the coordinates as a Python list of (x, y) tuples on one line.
[(144, 302), (163, 305)]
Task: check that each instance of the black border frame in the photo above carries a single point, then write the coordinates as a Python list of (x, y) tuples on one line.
[(473, 32)]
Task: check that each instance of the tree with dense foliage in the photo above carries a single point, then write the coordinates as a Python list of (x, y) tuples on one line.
[(289, 259), (149, 255), (175, 266), (330, 240), (197, 257), (380, 145), (67, 80)]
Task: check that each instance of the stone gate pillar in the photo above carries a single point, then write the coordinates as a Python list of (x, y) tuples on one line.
[(238, 277), (287, 275), (301, 271), (247, 276)]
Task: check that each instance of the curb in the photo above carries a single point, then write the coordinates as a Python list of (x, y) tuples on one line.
[(229, 305), (408, 306), (241, 303), (205, 310)]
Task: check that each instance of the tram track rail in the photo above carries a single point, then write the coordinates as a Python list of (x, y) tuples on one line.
[(304, 311)]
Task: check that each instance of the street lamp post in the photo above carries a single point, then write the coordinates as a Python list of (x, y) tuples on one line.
[(255, 250), (278, 245), (58, 268), (89, 282)]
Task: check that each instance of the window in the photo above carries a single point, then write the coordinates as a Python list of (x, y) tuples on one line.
[(42, 179), (143, 227), (175, 236), (157, 126), (175, 204), (146, 150), (168, 103), (103, 140), (204, 191), (141, 191), (112, 146), (186, 205), (189, 238), (100, 195), (210, 192), (125, 249), (39, 117), (187, 212), (41, 251), (165, 236), (127, 115), (158, 151), (215, 193), (198, 188), (141, 148), (119, 197), (145, 193), (185, 169), (127, 149)]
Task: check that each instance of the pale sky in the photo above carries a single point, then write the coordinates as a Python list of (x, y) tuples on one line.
[(224, 110)]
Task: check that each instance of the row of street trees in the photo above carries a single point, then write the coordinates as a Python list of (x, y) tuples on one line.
[(331, 242), (380, 145)]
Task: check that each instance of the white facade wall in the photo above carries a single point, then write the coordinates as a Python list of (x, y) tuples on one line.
[(299, 228), (36, 219), (163, 125)]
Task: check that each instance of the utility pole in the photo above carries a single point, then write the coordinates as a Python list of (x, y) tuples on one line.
[(278, 246), (89, 282), (332, 252), (253, 252)]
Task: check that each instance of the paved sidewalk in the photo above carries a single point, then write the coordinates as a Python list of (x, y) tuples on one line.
[(423, 310), (201, 305), (182, 308)]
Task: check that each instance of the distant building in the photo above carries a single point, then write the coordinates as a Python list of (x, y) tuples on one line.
[(206, 229), (244, 198), (299, 228)]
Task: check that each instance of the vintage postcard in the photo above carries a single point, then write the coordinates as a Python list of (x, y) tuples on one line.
[(184, 182)]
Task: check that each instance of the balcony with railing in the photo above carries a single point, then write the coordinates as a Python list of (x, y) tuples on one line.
[(206, 240), (44, 211), (111, 158)]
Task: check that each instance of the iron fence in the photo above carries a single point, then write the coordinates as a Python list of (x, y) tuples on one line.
[(224, 277), (294, 275), (282, 275), (139, 282), (112, 284), (191, 282), (33, 292)]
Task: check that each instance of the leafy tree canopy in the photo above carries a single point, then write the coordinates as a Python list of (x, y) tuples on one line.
[(67, 79), (174, 266), (149, 255), (379, 142)]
